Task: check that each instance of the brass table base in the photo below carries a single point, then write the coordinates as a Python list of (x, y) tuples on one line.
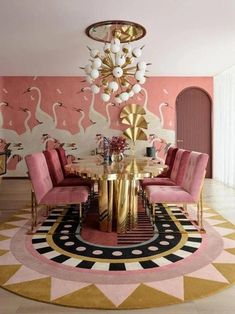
[(118, 201)]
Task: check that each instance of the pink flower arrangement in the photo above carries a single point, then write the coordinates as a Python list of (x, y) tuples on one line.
[(117, 144)]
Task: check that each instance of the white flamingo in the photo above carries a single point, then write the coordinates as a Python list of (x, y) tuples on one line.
[(10, 136), (40, 115), (29, 142), (46, 127), (47, 124), (100, 124), (94, 115), (82, 116), (26, 121), (155, 125), (60, 134), (16, 165), (152, 119), (54, 105), (109, 105), (50, 142)]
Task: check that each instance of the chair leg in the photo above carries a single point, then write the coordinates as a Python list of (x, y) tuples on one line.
[(153, 216), (153, 210), (80, 213), (33, 211), (143, 198), (48, 209), (185, 209), (200, 214)]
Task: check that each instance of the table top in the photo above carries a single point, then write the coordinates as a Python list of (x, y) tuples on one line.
[(129, 168)]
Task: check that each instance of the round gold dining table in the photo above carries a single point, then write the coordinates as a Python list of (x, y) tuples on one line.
[(117, 187)]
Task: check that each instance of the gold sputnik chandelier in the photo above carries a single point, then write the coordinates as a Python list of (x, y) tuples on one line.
[(115, 72)]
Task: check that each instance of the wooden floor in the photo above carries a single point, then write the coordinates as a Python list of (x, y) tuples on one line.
[(15, 194)]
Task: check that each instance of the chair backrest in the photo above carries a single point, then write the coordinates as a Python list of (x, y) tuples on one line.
[(179, 167), (54, 166), (168, 155), (63, 158), (194, 174), (170, 158), (39, 175)]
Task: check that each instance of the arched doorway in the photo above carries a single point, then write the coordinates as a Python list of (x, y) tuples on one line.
[(193, 122)]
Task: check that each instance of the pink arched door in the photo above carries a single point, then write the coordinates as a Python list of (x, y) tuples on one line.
[(193, 122)]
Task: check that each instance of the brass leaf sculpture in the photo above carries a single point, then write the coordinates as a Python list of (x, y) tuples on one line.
[(132, 108), (133, 115), (136, 120), (135, 133)]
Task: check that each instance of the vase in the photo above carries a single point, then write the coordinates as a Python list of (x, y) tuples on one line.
[(150, 152), (116, 157)]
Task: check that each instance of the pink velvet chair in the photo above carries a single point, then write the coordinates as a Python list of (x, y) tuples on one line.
[(57, 175), (189, 192), (177, 173), (43, 191), (170, 158), (63, 160)]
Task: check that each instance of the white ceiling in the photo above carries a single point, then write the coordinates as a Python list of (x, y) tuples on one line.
[(184, 37)]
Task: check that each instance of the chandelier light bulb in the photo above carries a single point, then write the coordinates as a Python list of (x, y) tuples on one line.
[(95, 89), (113, 86), (115, 48), (142, 80), (94, 53), (107, 48), (96, 63), (136, 88), (137, 52), (124, 96), (94, 74), (139, 75), (88, 69), (89, 79), (142, 66), (105, 97), (115, 41), (120, 60), (131, 93), (117, 72)]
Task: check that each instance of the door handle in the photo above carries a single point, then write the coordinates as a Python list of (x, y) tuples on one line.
[(179, 141)]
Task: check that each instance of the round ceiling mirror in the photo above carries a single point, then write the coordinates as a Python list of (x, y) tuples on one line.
[(125, 31)]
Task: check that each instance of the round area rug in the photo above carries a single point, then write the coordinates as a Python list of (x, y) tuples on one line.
[(175, 265)]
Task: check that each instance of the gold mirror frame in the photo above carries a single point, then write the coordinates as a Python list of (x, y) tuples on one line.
[(124, 30)]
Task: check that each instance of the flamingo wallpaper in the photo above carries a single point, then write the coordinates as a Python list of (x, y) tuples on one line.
[(38, 113)]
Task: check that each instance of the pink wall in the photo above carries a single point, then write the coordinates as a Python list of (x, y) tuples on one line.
[(24, 129)]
